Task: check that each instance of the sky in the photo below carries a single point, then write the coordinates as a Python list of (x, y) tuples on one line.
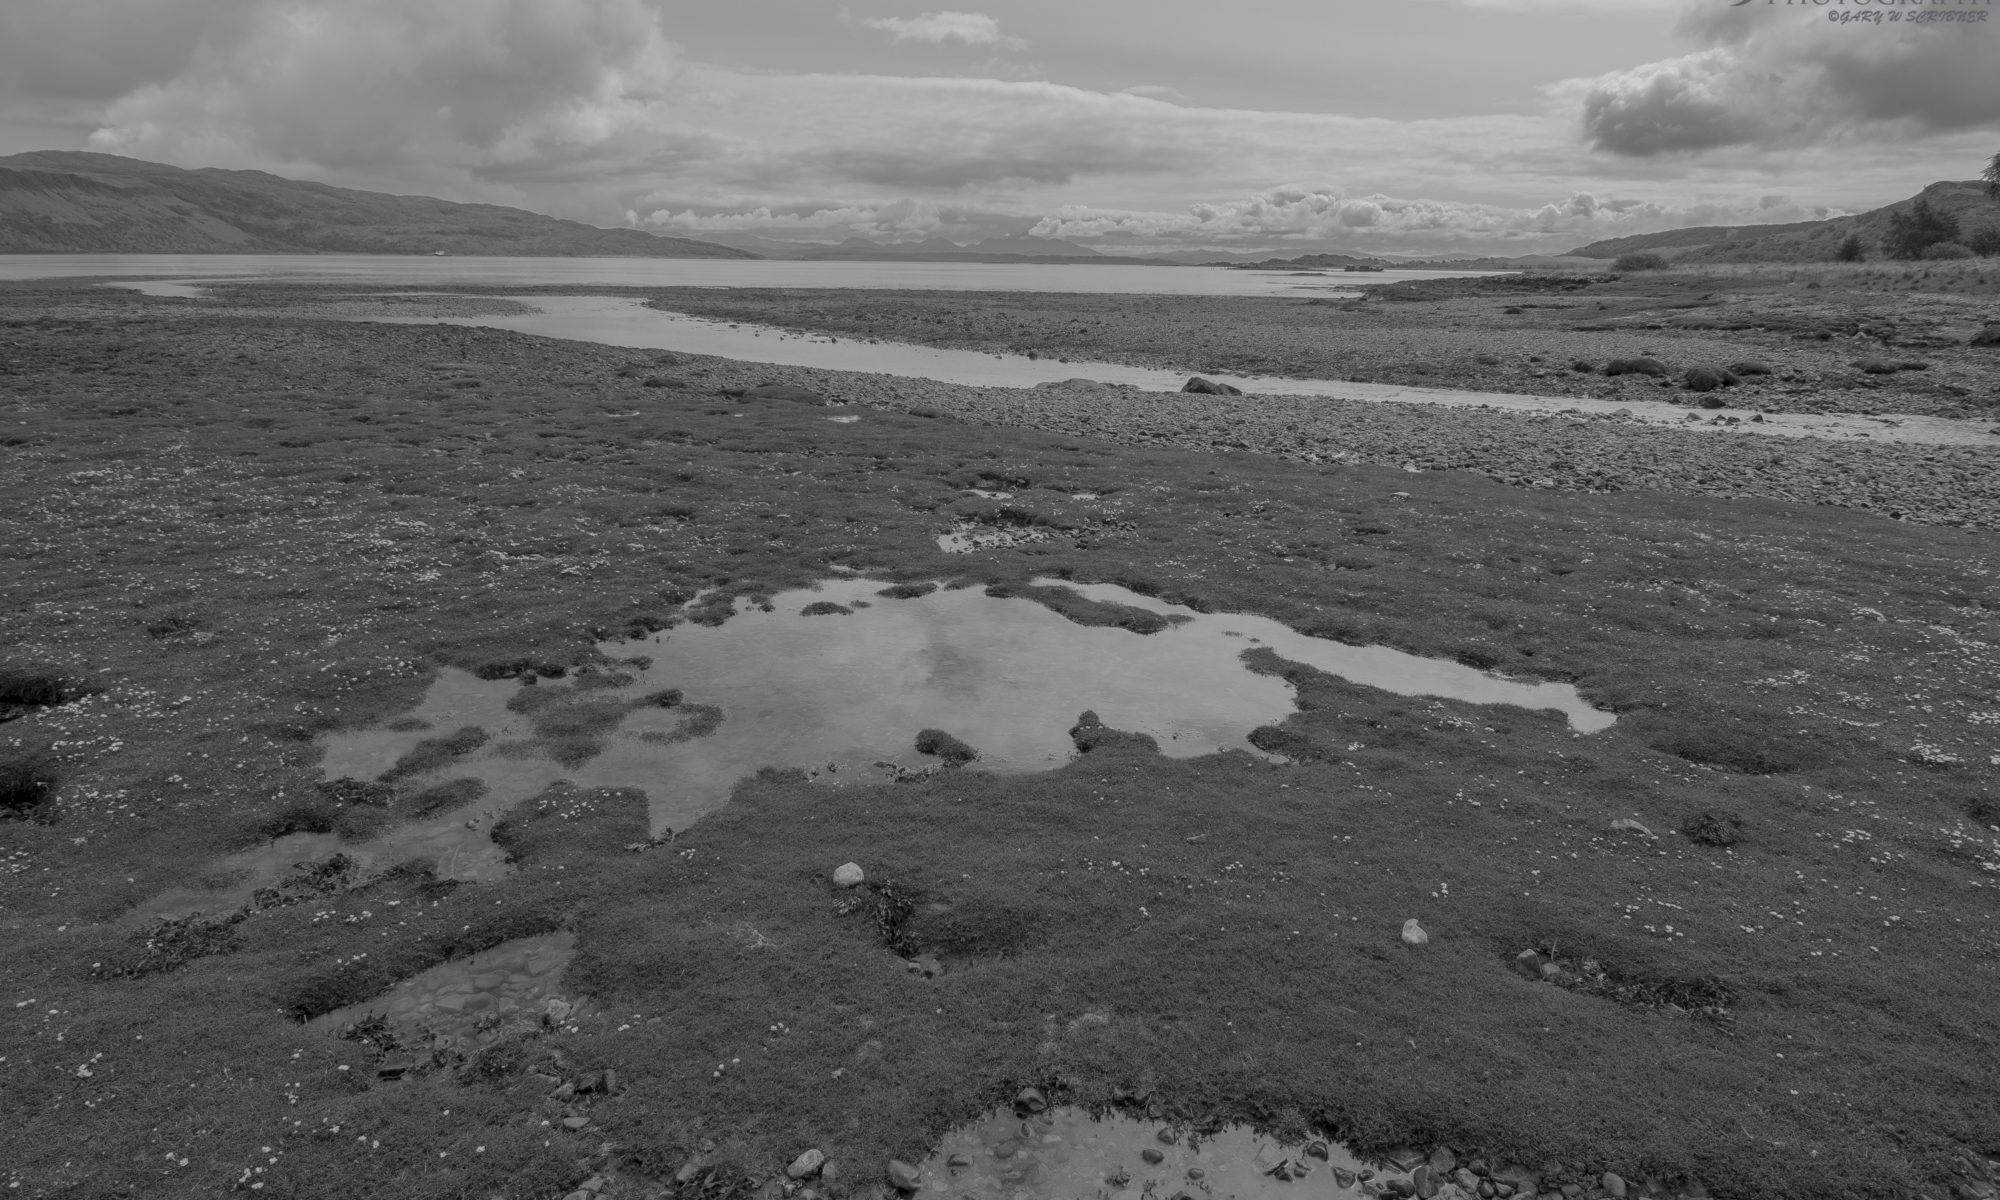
[(1371, 126)]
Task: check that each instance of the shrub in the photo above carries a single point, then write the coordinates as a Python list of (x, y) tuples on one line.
[(35, 689), (1985, 242), (1912, 232), (939, 744), (1947, 250), (1711, 828), (1852, 250), (26, 783), (1643, 261)]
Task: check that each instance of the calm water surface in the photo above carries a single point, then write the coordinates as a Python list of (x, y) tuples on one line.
[(701, 272)]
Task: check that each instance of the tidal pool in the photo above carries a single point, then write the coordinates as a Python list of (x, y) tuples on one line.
[(838, 680), (1066, 1153)]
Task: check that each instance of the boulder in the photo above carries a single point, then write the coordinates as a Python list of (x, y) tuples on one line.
[(807, 1163), (1413, 933), (903, 1176), (1030, 1100), (1750, 366), (1707, 379), (1210, 388), (1528, 964), (848, 875), (1989, 336)]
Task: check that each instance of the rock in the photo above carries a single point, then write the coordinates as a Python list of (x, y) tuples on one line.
[(1318, 1149), (1442, 1161), (1166, 1137), (1422, 1180), (595, 1184), (1989, 336), (1750, 366), (848, 875), (1636, 366), (807, 1163), (689, 1169), (1030, 1100), (1208, 388), (1413, 933), (1875, 366), (1528, 964), (1613, 1184), (1465, 1179), (1343, 1177), (1153, 1155), (580, 1194), (785, 391), (829, 1172), (1707, 379), (395, 1069), (1196, 1174), (1487, 1189), (1550, 970), (903, 1176), (1583, 368), (1628, 825), (575, 1123), (958, 1162)]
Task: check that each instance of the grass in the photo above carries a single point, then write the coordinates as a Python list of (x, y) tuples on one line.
[(1218, 934)]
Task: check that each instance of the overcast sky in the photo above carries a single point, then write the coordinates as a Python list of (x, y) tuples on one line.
[(1400, 126)]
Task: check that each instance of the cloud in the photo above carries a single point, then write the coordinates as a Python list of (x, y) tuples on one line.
[(368, 84), (970, 29), (1331, 216), (1777, 76)]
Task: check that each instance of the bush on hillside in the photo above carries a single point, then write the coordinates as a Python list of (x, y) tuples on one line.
[(1912, 232), (1852, 250), (1985, 242), (1945, 250), (1644, 261)]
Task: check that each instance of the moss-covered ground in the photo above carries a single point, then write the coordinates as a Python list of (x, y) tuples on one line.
[(232, 533)]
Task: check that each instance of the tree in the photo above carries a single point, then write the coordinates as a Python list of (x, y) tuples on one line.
[(1922, 226), (1992, 177), (1851, 250), (1985, 242)]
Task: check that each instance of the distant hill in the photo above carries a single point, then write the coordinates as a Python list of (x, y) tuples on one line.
[(54, 201), (1696, 235), (1965, 200), (1805, 241)]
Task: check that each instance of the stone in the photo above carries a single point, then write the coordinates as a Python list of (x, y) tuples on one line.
[(1343, 1177), (1528, 964), (1196, 1173), (903, 1176), (1318, 1149), (1750, 366), (394, 1070), (1030, 1100), (1413, 933), (575, 1123), (580, 1194), (829, 1172), (1636, 366), (1166, 1137), (807, 1163), (1613, 1184), (689, 1169), (848, 875), (957, 1163), (1209, 388), (1442, 1161), (1989, 336), (1875, 366), (1628, 825), (1487, 1189), (1152, 1155), (1464, 1178), (1423, 1181), (1550, 970), (595, 1184)]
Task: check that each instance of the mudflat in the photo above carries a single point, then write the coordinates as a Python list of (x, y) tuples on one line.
[(233, 529)]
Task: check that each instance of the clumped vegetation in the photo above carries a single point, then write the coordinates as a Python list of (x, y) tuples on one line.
[(1915, 230), (1710, 828), (939, 744), (1643, 260), (27, 783)]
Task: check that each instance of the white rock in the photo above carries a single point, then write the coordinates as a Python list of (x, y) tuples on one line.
[(805, 1164), (1628, 825), (1413, 933), (848, 875)]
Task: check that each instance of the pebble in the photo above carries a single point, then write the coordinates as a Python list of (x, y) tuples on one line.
[(1413, 933), (806, 1163), (575, 1122), (904, 1176), (848, 875), (1614, 1184), (1152, 1155), (1030, 1100)]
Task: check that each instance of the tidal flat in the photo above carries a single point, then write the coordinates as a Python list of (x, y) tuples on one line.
[(234, 532)]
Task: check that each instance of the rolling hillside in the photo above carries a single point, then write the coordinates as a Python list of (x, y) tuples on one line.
[(74, 202), (1806, 241)]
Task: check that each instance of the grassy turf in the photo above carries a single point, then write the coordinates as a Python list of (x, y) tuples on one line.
[(317, 520)]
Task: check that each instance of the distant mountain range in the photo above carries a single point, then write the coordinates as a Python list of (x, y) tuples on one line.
[(55, 201), (1013, 248), (1804, 241)]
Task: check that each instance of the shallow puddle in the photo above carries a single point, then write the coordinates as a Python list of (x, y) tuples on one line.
[(840, 690), (230, 881), (465, 1002), (624, 321), (1065, 1153)]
